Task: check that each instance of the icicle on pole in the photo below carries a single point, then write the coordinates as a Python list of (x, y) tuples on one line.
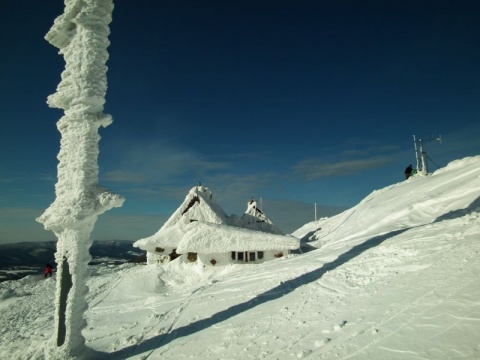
[(81, 34)]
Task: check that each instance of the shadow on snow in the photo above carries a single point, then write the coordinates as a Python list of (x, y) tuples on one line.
[(272, 294), (474, 206)]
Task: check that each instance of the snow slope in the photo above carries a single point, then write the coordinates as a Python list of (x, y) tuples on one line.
[(395, 277)]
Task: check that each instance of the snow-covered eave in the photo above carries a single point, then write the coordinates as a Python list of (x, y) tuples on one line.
[(208, 238), (165, 238)]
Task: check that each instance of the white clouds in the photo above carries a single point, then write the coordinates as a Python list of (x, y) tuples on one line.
[(316, 168), (161, 163)]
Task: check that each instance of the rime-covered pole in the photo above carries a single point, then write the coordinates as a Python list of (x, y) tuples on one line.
[(81, 35)]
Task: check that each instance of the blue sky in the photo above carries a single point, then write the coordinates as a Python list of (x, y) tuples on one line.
[(293, 102)]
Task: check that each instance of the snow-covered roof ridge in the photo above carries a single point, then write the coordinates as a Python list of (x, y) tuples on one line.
[(199, 205)]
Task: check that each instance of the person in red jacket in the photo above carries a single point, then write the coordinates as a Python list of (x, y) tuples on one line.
[(48, 270)]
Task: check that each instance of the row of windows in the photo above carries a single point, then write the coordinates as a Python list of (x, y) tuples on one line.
[(247, 255)]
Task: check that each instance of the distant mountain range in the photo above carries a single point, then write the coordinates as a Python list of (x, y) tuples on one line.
[(18, 260)]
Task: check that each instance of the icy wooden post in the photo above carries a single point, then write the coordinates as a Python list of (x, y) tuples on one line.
[(81, 34)]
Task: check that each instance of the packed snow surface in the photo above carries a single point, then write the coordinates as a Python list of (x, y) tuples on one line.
[(395, 277)]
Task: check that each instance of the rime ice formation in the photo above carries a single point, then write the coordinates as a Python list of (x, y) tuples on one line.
[(81, 35)]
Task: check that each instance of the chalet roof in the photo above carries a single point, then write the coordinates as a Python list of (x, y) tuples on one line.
[(198, 205), (207, 238), (200, 225)]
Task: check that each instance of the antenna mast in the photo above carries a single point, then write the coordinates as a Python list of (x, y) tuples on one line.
[(421, 154), (416, 153)]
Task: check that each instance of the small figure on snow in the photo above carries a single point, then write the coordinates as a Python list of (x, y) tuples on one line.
[(49, 270), (408, 171)]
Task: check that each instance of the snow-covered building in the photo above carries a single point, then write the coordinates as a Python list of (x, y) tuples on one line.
[(199, 230), (224, 244), (198, 205)]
